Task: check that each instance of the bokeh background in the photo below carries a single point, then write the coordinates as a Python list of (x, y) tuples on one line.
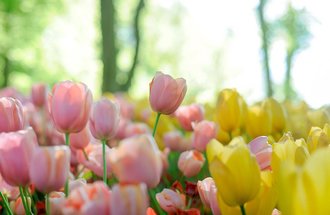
[(261, 48)]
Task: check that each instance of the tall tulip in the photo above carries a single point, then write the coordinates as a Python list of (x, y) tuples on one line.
[(137, 159), (11, 115), (235, 171)]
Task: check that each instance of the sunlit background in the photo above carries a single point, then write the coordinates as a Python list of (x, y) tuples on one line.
[(212, 43)]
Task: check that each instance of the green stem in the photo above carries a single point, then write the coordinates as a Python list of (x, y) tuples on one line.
[(104, 142), (189, 202), (26, 208), (156, 123), (85, 154), (242, 209), (27, 193), (6, 204), (47, 204), (66, 188)]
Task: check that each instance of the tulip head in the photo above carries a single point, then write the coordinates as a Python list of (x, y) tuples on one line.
[(175, 141), (258, 120), (137, 159), (39, 94), (204, 131), (318, 138), (191, 162), (235, 171), (69, 105), (171, 201), (11, 115), (166, 93), (50, 167), (81, 139), (16, 151), (129, 199), (189, 114), (262, 150), (208, 194), (278, 114), (104, 119)]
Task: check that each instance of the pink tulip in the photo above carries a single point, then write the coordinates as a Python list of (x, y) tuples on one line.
[(176, 142), (276, 212), (262, 150), (89, 199), (16, 150), (130, 199), (17, 206), (126, 106), (50, 167), (73, 184), (133, 129), (56, 201), (204, 131), (189, 114), (137, 159), (11, 115), (166, 93), (10, 191), (12, 92), (81, 139), (171, 201), (208, 194), (39, 94), (69, 105), (191, 162), (95, 162), (104, 119)]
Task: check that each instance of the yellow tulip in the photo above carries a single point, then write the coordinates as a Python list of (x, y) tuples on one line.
[(318, 117), (258, 120), (278, 114), (235, 171), (318, 138), (229, 110), (306, 189)]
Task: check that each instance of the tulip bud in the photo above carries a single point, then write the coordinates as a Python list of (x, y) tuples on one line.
[(81, 139), (137, 159), (166, 93), (191, 162), (259, 120), (50, 168), (262, 150), (39, 94), (129, 199), (235, 171), (69, 105), (171, 201), (16, 150), (188, 115), (104, 119), (208, 194), (318, 138), (11, 115), (204, 131), (176, 142)]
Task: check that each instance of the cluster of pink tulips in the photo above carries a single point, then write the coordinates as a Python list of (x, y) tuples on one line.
[(63, 153)]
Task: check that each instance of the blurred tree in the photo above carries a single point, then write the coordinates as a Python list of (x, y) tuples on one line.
[(113, 79), (21, 27), (264, 26), (294, 27)]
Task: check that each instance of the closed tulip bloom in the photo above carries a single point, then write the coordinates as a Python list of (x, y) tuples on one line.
[(137, 128), (166, 93), (189, 114), (278, 114), (56, 201), (305, 190), (104, 119), (81, 139), (208, 194), (129, 199), (318, 138), (69, 105), (235, 171), (171, 201), (175, 141), (229, 110), (50, 168), (258, 120), (89, 199), (11, 115), (204, 131), (137, 159), (262, 150), (191, 162), (39, 94), (95, 162), (16, 151)]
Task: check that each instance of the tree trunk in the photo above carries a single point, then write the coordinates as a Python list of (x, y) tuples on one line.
[(288, 85), (5, 71), (109, 52), (266, 69), (136, 27)]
